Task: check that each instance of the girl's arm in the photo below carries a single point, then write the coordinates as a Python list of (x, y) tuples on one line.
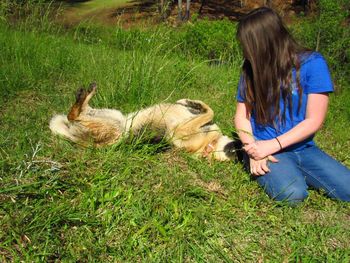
[(242, 124), (316, 110), (245, 133)]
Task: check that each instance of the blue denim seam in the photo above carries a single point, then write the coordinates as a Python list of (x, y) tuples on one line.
[(329, 189), (281, 192), (298, 158), (322, 183)]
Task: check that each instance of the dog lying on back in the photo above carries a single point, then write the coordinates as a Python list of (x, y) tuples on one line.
[(186, 124)]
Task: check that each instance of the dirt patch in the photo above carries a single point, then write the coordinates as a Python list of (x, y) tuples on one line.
[(144, 13), (211, 9)]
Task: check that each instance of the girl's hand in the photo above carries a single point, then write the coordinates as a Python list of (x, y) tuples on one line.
[(260, 167), (258, 150)]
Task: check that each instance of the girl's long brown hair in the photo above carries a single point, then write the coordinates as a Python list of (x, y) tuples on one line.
[(270, 53)]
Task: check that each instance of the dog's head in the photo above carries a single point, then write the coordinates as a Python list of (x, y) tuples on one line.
[(228, 149)]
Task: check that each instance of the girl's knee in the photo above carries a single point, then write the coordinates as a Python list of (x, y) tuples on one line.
[(341, 194), (291, 195)]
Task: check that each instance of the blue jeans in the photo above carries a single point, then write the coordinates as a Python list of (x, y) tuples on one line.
[(289, 179)]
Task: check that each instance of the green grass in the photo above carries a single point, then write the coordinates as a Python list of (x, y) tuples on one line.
[(128, 202)]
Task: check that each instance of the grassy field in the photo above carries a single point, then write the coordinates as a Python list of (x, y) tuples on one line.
[(131, 202)]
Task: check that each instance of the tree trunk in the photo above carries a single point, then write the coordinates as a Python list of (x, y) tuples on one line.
[(200, 9), (187, 15), (267, 2), (180, 10), (161, 9)]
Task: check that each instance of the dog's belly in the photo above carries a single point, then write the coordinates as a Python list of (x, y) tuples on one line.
[(107, 114)]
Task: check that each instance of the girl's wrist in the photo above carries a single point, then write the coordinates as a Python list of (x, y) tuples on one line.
[(247, 142), (278, 144), (273, 146)]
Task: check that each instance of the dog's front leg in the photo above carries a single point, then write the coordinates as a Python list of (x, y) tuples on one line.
[(193, 126)]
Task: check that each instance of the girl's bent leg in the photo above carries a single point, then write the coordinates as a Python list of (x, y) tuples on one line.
[(285, 181), (323, 172)]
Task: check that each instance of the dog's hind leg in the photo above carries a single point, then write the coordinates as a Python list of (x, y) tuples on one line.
[(90, 92), (101, 131), (82, 102), (97, 126)]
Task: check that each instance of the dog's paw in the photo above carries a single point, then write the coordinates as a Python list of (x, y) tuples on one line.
[(92, 87), (182, 102)]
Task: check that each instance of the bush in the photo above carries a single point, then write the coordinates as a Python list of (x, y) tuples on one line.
[(32, 15), (214, 40), (328, 34)]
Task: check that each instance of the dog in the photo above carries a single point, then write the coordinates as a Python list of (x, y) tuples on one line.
[(186, 124)]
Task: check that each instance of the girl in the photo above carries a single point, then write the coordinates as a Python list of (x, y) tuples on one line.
[(282, 101)]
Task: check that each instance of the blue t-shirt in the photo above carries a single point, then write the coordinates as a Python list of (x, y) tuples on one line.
[(314, 78)]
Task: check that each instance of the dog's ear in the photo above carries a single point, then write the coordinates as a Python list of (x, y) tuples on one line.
[(236, 146), (233, 150)]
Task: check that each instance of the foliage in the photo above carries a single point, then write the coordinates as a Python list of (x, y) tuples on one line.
[(209, 40), (212, 40), (34, 14), (329, 33)]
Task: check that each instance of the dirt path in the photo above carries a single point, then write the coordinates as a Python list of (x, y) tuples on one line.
[(144, 12), (102, 11)]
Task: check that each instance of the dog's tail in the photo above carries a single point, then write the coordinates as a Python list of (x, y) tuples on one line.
[(60, 125)]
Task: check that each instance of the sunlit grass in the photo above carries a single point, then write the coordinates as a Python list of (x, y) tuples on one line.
[(133, 202)]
